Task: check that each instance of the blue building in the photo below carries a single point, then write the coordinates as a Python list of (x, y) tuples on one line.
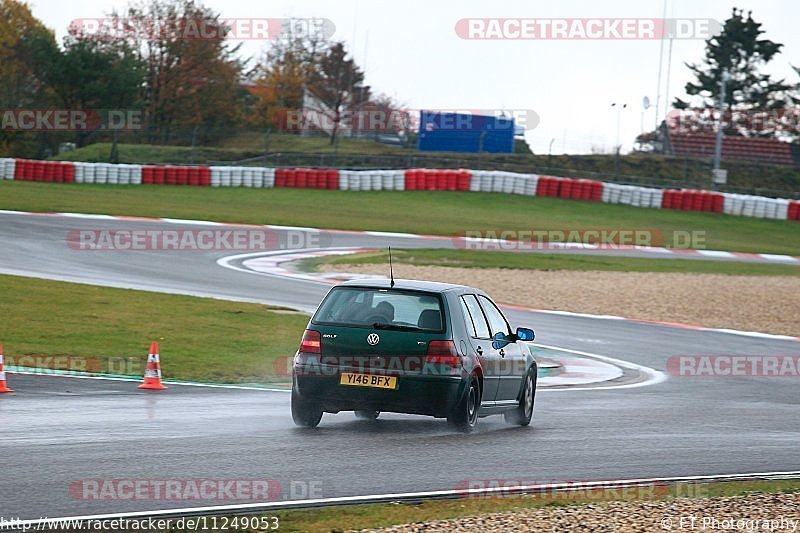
[(461, 132)]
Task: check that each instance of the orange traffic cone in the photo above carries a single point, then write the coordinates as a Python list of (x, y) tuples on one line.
[(152, 374), (3, 387)]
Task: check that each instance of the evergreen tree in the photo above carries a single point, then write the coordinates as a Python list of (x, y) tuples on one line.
[(751, 97)]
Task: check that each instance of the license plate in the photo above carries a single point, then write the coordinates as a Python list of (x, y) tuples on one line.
[(368, 380)]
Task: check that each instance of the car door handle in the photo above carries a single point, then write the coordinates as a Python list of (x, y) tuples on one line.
[(479, 350)]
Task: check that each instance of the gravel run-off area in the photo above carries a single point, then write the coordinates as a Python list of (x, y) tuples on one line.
[(755, 512), (769, 304)]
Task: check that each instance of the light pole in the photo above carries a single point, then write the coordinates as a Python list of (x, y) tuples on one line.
[(719, 175), (645, 107), (619, 111), (617, 145), (660, 65)]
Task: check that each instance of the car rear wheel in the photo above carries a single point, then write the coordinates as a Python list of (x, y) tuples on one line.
[(304, 413), (523, 413), (367, 415), (465, 415)]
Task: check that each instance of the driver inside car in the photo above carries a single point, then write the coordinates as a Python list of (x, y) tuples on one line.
[(385, 312)]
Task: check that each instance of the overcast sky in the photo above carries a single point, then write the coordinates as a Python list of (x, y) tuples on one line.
[(411, 51)]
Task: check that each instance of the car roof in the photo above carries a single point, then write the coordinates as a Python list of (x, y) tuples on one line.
[(409, 284)]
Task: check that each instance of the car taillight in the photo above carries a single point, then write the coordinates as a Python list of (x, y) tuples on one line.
[(443, 352), (311, 342)]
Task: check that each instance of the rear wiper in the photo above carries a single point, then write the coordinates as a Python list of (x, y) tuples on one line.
[(378, 325)]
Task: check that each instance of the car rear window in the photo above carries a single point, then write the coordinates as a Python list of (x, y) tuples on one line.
[(365, 307)]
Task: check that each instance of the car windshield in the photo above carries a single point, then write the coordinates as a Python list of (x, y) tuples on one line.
[(381, 309)]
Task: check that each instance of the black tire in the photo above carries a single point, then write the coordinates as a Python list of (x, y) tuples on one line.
[(465, 415), (304, 413), (522, 414), (367, 415)]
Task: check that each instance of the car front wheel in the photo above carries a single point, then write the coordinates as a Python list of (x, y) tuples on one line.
[(304, 413)]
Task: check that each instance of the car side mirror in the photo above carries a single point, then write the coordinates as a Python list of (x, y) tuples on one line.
[(500, 340), (525, 334)]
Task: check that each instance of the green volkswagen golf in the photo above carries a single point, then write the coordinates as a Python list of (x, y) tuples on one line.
[(413, 347)]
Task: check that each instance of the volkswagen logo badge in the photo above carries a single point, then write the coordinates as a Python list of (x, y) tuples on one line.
[(373, 339)]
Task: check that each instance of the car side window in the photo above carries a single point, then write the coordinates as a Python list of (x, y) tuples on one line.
[(474, 317), (497, 321)]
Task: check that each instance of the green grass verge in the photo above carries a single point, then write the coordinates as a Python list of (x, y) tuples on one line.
[(285, 142), (242, 146), (442, 213), (83, 327), (147, 153), (542, 261), (383, 515)]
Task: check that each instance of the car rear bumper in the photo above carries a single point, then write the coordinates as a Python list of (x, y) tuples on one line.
[(424, 395)]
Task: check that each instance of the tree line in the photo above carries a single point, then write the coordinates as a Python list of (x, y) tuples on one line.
[(181, 89)]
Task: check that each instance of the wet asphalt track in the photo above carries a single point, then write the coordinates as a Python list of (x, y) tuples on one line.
[(59, 430)]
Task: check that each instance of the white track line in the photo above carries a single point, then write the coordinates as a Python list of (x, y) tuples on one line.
[(779, 257), (391, 234), (653, 376), (225, 262), (90, 217), (715, 253), (293, 228), (390, 497), (45, 372), (191, 222)]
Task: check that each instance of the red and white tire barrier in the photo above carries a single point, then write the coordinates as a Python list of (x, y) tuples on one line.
[(614, 193), (256, 177), (758, 206), (47, 171), (105, 173), (307, 178), (372, 180), (7, 168), (420, 179), (505, 182), (414, 179)]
